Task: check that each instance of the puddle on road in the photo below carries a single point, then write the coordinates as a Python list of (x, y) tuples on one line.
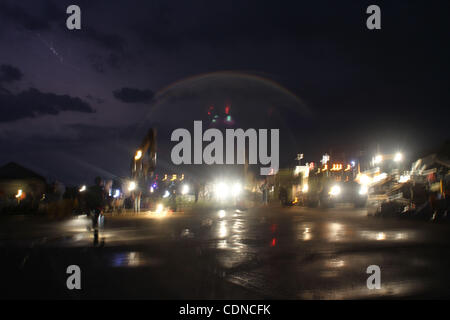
[(133, 259), (392, 289), (386, 235)]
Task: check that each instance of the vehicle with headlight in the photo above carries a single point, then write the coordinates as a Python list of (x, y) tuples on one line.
[(227, 192), (330, 190)]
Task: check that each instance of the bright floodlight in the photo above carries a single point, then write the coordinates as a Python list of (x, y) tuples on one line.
[(378, 159), (335, 190), (363, 190), (398, 157), (364, 179), (19, 193), (83, 188), (237, 188), (185, 189), (132, 186), (166, 194), (221, 190)]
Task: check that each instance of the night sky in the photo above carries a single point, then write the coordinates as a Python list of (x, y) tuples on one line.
[(76, 104)]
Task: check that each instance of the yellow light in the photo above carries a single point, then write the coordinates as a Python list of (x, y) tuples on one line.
[(305, 188), (159, 208), (174, 177), (19, 193), (349, 167), (381, 236), (160, 211), (336, 167), (138, 155)]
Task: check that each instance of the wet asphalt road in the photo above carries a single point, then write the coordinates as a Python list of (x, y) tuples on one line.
[(274, 253)]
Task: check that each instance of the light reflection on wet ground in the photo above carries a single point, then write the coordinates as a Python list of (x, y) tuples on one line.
[(133, 259), (270, 252)]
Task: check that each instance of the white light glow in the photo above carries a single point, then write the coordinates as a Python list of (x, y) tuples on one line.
[(221, 190), (305, 188), (363, 190), (335, 190), (365, 179), (398, 157), (138, 155), (19, 193), (185, 189), (380, 177), (378, 159), (237, 188), (132, 186), (159, 208), (404, 178)]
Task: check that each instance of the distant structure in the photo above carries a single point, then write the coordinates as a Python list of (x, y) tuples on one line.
[(19, 183)]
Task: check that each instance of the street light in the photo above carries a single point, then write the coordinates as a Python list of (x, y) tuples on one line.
[(19, 193), (138, 155), (398, 157), (132, 186)]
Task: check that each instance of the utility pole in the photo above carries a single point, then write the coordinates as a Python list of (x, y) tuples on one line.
[(299, 158)]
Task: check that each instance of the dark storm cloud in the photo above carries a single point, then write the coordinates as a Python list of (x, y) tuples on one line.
[(95, 99), (33, 103), (9, 74), (132, 95)]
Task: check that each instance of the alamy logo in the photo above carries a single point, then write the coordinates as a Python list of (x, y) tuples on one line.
[(74, 280), (213, 153), (374, 280)]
